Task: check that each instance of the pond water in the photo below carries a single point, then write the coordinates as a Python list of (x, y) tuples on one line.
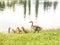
[(46, 19)]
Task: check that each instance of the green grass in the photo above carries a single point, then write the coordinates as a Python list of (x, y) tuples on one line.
[(48, 37)]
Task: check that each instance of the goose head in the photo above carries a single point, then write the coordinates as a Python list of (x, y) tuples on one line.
[(31, 23)]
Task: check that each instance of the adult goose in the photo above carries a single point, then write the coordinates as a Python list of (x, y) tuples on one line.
[(35, 27)]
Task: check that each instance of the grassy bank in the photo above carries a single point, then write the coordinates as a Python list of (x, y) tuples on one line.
[(50, 37)]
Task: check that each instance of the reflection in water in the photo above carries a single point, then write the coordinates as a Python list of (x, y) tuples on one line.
[(55, 4), (29, 5), (47, 5), (11, 4), (2, 5), (25, 8), (37, 5)]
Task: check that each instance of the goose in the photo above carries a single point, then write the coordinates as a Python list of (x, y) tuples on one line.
[(24, 30), (35, 27), (18, 30)]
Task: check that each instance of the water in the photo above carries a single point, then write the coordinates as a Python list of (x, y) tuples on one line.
[(46, 19)]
